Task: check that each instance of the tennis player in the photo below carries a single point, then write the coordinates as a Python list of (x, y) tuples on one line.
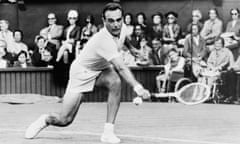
[(99, 63)]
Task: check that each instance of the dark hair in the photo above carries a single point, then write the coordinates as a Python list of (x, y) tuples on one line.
[(214, 9), (18, 30), (91, 18), (38, 37), (158, 14), (22, 52), (111, 7), (141, 13), (131, 16), (172, 50), (198, 26), (236, 9), (221, 39)]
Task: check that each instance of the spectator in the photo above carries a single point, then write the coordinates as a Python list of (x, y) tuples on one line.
[(141, 20), (171, 32), (53, 31), (19, 44), (71, 35), (22, 60), (157, 54), (157, 27), (195, 46), (89, 29), (144, 58), (220, 58), (137, 35), (7, 36), (232, 33), (212, 27), (39, 57), (128, 20), (196, 19), (4, 61), (175, 64)]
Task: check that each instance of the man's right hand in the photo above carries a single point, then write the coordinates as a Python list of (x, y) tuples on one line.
[(142, 92)]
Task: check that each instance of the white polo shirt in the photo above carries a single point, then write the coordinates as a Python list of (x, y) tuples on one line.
[(95, 57), (101, 49)]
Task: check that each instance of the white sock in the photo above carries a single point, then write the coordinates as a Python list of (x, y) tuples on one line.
[(108, 128)]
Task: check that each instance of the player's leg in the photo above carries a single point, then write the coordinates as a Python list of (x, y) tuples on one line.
[(70, 105), (111, 80)]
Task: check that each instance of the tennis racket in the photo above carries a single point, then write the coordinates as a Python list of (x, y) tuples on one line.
[(190, 94)]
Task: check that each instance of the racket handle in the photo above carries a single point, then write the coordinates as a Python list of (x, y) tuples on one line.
[(159, 95)]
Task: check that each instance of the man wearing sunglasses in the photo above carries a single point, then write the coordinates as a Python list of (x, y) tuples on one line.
[(99, 64), (53, 31)]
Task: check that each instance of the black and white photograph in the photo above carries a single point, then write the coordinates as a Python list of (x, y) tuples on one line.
[(120, 72)]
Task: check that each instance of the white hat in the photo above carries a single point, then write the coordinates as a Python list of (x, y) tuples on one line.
[(72, 13)]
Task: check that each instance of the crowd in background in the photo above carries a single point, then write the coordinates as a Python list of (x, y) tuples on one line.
[(204, 41)]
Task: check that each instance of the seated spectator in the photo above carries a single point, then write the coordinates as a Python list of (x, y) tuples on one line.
[(144, 59), (137, 35), (157, 27), (175, 64), (157, 54), (53, 31), (7, 36), (212, 27), (171, 30), (89, 29), (38, 57), (232, 33), (19, 44), (220, 58), (196, 20), (22, 60), (128, 21), (71, 35), (141, 20), (4, 61)]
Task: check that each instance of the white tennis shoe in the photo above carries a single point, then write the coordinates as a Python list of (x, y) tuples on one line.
[(34, 129), (110, 138)]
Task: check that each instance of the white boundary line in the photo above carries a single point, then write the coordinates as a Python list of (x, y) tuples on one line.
[(145, 138)]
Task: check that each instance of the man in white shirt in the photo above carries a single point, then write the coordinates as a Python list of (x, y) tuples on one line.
[(99, 63)]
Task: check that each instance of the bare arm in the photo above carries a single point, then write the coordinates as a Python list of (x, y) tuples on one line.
[(127, 75), (124, 71)]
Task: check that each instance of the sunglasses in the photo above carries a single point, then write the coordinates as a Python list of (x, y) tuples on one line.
[(234, 13)]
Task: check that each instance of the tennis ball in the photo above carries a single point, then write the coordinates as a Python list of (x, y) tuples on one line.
[(137, 101)]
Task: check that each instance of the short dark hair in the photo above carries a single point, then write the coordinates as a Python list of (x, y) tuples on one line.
[(213, 9), (143, 14), (111, 7), (22, 52), (18, 30), (158, 14), (172, 50), (221, 39)]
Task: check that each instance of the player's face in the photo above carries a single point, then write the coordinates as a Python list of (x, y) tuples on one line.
[(113, 21)]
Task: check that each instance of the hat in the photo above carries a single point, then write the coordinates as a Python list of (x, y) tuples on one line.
[(72, 13), (171, 13)]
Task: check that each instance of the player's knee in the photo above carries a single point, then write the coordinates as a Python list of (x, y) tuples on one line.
[(66, 121), (114, 82)]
